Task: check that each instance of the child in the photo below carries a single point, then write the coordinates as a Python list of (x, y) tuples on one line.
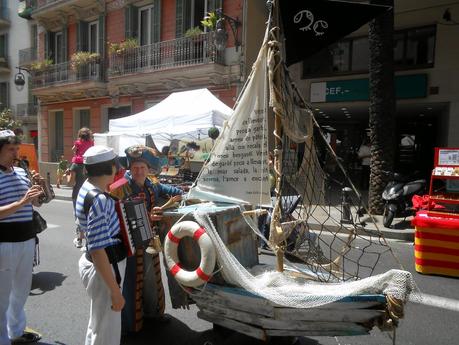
[(62, 167), (102, 267)]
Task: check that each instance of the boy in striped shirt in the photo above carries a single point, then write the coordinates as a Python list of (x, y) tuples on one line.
[(17, 242), (102, 266)]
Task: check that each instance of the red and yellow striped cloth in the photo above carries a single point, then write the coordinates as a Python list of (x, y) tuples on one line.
[(437, 243)]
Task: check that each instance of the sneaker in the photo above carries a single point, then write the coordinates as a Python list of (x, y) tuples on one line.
[(78, 242)]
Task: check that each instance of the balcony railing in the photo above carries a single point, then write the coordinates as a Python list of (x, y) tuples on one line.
[(167, 54), (64, 73), (26, 109), (27, 56), (43, 3)]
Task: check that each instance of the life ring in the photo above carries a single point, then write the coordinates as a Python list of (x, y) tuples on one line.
[(208, 256)]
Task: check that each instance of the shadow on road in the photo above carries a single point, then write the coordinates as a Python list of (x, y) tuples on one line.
[(176, 332), (46, 281)]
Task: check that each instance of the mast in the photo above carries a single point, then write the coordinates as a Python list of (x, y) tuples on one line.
[(276, 233)]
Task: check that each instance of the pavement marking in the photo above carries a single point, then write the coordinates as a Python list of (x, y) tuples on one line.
[(437, 301), (52, 226)]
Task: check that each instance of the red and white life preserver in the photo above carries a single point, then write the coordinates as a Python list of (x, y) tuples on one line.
[(208, 256)]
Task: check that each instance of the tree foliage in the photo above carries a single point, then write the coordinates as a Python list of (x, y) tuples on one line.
[(7, 121)]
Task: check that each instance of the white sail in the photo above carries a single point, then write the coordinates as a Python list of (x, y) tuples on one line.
[(237, 171)]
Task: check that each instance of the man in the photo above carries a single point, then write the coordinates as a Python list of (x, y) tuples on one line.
[(17, 242), (146, 302), (364, 155), (102, 267)]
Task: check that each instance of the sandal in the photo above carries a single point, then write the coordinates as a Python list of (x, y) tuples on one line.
[(26, 338)]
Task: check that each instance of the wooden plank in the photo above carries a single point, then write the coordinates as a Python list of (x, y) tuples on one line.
[(317, 333), (338, 315), (250, 303), (288, 324), (234, 325)]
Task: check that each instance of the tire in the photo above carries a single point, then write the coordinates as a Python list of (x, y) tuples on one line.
[(388, 217)]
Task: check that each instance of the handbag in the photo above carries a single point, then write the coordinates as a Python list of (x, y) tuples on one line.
[(39, 222)]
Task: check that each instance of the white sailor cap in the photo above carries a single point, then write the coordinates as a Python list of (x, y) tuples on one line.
[(6, 133), (98, 154)]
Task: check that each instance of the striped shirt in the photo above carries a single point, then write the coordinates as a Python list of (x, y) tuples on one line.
[(101, 225), (13, 186)]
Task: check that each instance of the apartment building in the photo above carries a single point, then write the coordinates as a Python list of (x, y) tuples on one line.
[(426, 55), (16, 35), (136, 54)]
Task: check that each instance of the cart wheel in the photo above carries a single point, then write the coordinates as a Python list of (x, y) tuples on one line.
[(388, 217)]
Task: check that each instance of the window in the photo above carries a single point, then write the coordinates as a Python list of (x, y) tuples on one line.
[(81, 118), (144, 28), (4, 96), (58, 44), (4, 46), (413, 48), (191, 12), (93, 37), (56, 135)]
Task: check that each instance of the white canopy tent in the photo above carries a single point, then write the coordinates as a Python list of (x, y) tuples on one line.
[(185, 116)]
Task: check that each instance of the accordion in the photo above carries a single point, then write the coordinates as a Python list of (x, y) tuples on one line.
[(134, 224)]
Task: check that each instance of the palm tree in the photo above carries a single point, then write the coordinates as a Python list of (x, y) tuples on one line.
[(382, 104)]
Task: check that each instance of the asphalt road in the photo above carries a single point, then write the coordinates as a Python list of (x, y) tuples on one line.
[(58, 306)]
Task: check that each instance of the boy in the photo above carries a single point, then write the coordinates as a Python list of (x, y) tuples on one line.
[(102, 266), (62, 167)]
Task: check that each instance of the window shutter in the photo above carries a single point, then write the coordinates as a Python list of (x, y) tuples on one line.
[(101, 35), (82, 36), (64, 52), (131, 21), (156, 21)]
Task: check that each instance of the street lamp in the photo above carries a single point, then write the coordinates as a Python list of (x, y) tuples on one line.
[(19, 78), (221, 36)]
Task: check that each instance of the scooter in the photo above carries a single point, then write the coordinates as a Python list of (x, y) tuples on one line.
[(398, 194)]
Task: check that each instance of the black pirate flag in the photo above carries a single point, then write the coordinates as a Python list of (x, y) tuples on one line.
[(312, 25)]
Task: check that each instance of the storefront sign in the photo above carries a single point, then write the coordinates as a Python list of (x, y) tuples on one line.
[(406, 86)]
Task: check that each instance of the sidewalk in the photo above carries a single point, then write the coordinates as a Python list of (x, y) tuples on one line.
[(63, 193), (401, 228)]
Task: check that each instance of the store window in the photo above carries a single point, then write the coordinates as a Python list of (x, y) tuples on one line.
[(413, 48)]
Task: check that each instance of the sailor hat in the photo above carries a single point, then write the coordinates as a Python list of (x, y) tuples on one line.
[(98, 154), (143, 154), (6, 133)]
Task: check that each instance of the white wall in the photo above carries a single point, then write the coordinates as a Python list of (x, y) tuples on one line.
[(19, 38)]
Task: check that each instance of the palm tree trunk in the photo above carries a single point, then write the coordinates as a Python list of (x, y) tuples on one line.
[(382, 104)]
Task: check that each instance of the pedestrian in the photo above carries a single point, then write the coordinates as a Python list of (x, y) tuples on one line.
[(103, 265), (17, 242), (62, 167), (364, 155), (138, 182), (76, 175)]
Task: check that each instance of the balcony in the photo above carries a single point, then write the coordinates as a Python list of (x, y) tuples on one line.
[(26, 109), (49, 13), (4, 65), (182, 62), (26, 113), (4, 17), (27, 56), (62, 82)]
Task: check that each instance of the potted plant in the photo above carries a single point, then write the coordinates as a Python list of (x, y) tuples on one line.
[(120, 48), (210, 21), (79, 60), (40, 66)]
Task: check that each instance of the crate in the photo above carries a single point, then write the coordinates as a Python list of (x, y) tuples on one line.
[(437, 243)]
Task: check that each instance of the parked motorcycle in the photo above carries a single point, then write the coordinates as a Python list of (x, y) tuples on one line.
[(398, 194)]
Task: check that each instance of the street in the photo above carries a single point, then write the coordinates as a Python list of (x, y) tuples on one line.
[(58, 306)]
